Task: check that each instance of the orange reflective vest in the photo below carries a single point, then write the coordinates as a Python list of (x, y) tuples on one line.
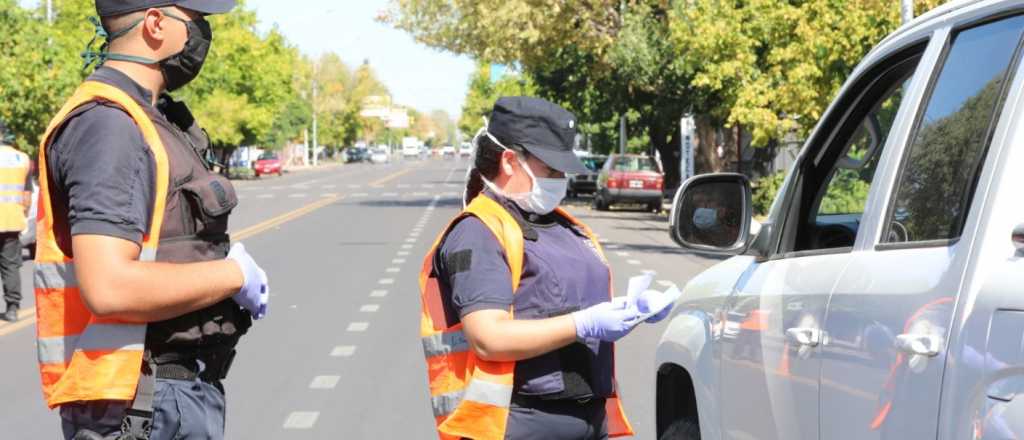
[(82, 357), (470, 396), (14, 169)]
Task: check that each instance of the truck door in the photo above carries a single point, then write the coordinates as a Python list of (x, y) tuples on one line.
[(773, 327), (887, 323)]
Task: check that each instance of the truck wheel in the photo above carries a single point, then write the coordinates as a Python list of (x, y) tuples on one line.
[(681, 430)]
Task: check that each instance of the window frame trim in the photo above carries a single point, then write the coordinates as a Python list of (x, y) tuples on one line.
[(908, 144)]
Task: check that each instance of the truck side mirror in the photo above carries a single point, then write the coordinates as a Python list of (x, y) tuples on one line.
[(711, 214)]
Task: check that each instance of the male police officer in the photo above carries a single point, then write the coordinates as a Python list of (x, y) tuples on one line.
[(15, 194), (139, 300)]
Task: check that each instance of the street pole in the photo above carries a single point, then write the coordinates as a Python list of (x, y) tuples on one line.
[(305, 147), (906, 11), (316, 142), (49, 12), (622, 135)]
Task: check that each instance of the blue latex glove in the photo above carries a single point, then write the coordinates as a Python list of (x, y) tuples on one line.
[(656, 305), (255, 293), (608, 321)]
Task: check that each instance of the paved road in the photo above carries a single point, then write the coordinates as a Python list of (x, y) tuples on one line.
[(339, 356)]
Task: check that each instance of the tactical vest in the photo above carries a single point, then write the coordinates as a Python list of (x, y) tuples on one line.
[(84, 358), (470, 397)]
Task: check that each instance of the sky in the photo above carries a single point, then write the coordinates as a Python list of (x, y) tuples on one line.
[(417, 76)]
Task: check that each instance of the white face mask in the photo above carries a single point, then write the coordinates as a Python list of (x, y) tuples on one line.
[(543, 198)]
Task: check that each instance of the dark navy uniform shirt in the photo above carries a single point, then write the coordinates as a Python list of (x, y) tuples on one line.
[(562, 273), (102, 170)]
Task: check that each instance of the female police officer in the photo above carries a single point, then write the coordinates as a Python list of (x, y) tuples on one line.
[(518, 321)]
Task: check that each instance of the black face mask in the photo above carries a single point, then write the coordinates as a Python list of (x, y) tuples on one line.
[(178, 69)]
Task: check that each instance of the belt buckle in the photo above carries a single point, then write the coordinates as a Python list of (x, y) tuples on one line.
[(584, 401)]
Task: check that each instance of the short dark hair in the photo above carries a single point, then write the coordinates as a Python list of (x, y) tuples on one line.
[(116, 23)]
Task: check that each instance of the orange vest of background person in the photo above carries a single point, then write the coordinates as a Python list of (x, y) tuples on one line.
[(82, 357), (14, 169), (470, 396)]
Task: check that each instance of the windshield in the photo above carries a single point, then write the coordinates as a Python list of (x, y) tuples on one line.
[(268, 156), (635, 163), (593, 163)]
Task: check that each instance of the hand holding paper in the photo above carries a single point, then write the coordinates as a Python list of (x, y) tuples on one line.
[(656, 306)]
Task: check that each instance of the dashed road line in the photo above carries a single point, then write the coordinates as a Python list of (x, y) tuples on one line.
[(393, 270), (297, 196), (622, 254), (324, 382), (343, 351), (398, 261), (369, 308), (403, 253), (406, 246), (634, 262), (358, 326), (379, 293), (386, 281), (301, 420)]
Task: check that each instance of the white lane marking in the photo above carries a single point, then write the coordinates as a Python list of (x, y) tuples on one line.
[(398, 261), (324, 382), (355, 186), (360, 195), (622, 254), (301, 420), (403, 253), (393, 270), (612, 246), (411, 240), (634, 262), (343, 351), (276, 187), (420, 194), (379, 293), (265, 196), (297, 196), (427, 186), (406, 246), (329, 186), (329, 195), (386, 281), (389, 195), (358, 326), (452, 185), (664, 283), (369, 308)]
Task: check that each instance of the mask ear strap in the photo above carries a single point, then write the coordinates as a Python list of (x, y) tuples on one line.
[(100, 56)]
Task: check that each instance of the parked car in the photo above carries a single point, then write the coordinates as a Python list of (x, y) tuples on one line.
[(411, 151), (630, 178), (380, 155), (268, 163), (447, 151), (881, 297), (357, 154), (586, 183), (466, 150)]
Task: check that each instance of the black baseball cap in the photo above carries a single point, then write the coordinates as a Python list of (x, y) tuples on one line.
[(544, 129), (109, 8)]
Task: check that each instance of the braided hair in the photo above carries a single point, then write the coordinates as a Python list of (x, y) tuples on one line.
[(486, 164)]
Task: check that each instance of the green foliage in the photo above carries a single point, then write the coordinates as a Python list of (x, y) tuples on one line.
[(765, 191), (482, 94)]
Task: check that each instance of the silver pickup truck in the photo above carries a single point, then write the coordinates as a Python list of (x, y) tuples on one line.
[(883, 295)]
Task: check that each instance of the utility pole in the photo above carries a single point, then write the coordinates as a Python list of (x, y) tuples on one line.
[(906, 11), (622, 134), (316, 142)]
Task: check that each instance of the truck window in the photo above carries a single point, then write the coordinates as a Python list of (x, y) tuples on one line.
[(836, 184), (940, 171)]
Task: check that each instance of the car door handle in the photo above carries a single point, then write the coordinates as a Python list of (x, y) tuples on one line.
[(924, 345), (808, 336)]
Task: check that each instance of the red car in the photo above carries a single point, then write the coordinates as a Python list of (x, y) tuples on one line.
[(630, 178), (268, 163)]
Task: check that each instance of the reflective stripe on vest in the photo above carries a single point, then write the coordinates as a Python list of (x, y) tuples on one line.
[(14, 169), (83, 357), (470, 397)]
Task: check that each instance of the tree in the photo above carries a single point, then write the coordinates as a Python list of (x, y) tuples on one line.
[(482, 95)]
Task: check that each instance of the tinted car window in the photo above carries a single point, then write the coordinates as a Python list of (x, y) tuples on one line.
[(593, 163), (941, 169), (635, 163), (268, 156)]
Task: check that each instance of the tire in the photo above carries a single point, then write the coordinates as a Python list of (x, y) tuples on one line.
[(600, 203), (654, 207), (681, 430)]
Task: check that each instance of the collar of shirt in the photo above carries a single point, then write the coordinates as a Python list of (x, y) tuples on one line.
[(116, 78)]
